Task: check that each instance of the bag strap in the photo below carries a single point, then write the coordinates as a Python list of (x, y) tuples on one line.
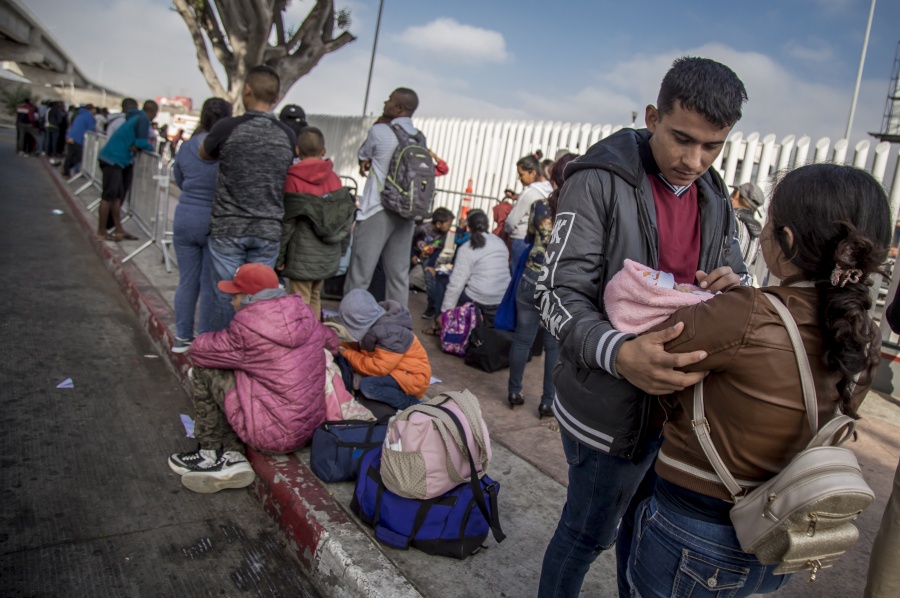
[(806, 377), (468, 404), (701, 424), (448, 433), (492, 516)]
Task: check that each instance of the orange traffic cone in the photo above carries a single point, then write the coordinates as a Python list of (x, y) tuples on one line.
[(467, 201)]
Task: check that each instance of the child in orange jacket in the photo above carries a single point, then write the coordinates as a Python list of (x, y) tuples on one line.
[(395, 365)]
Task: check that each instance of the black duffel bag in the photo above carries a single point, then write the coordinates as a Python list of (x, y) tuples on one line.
[(489, 348)]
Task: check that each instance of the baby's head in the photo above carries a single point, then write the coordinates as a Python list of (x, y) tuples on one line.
[(358, 312)]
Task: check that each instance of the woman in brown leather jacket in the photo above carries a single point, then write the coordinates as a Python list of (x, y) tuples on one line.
[(827, 232)]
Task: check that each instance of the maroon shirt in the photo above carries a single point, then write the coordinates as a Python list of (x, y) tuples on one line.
[(678, 226)]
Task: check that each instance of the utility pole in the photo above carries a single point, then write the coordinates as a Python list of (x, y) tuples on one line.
[(862, 60), (372, 61)]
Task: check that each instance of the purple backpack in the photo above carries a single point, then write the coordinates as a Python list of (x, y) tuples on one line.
[(456, 325)]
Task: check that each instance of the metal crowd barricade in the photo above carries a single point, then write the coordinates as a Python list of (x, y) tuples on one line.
[(166, 219), (90, 168), (147, 200)]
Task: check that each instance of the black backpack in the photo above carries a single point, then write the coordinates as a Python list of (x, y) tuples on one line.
[(409, 185)]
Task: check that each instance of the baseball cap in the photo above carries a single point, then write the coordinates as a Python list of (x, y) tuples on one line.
[(751, 193), (250, 279), (292, 112)]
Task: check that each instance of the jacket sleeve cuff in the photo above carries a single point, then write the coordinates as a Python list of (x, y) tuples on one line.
[(609, 342)]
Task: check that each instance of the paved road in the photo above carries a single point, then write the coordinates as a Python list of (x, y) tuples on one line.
[(88, 506)]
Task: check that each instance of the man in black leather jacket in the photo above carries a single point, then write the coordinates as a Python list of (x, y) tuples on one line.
[(649, 196)]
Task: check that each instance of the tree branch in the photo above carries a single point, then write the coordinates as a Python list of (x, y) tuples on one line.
[(203, 61), (278, 19), (217, 40), (339, 42), (310, 24)]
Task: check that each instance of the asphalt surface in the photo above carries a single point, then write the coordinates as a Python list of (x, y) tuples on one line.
[(88, 506)]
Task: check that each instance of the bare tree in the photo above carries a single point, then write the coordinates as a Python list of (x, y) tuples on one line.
[(240, 34)]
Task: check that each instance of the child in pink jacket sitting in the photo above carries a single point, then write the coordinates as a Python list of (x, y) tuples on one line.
[(261, 381)]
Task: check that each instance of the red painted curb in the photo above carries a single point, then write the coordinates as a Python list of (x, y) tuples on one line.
[(289, 492), (293, 497)]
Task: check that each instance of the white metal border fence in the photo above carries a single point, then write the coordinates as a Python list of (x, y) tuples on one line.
[(486, 152)]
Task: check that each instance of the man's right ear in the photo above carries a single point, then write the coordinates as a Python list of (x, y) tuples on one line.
[(651, 117)]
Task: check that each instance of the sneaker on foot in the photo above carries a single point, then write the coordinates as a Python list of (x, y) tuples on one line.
[(181, 345), (429, 314), (231, 470), (197, 460)]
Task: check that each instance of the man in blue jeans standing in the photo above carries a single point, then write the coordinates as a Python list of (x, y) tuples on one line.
[(650, 196), (254, 151)]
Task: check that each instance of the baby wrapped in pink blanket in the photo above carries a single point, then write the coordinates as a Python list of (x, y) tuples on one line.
[(638, 297)]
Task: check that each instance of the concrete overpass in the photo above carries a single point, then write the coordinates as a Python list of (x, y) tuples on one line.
[(28, 51)]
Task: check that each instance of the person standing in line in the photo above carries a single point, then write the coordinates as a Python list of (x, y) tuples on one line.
[(101, 117), (26, 128), (883, 580), (747, 200), (196, 178), (294, 117), (116, 159), (118, 119), (318, 214), (536, 187), (254, 151), (56, 117), (381, 234), (528, 318), (827, 234), (84, 122), (649, 196)]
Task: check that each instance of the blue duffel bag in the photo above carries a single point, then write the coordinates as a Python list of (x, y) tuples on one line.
[(338, 446), (455, 524)]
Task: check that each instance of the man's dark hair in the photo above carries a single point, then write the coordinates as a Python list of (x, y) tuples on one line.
[(409, 100), (214, 110), (441, 215), (704, 86), (310, 142), (264, 82), (150, 106), (129, 104)]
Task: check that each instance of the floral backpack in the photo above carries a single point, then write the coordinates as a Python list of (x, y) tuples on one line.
[(456, 326)]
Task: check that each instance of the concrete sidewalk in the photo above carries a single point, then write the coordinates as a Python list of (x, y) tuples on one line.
[(339, 552)]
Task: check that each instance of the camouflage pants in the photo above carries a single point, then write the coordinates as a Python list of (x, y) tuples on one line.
[(211, 427)]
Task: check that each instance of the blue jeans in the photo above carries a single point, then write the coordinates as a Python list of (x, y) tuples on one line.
[(602, 491), (386, 390), (528, 321), (429, 291), (227, 254), (675, 555), (191, 233)]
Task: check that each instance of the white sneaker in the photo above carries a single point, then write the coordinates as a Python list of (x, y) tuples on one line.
[(231, 470), (197, 460)]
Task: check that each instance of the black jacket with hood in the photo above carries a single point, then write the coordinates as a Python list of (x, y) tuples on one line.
[(606, 214)]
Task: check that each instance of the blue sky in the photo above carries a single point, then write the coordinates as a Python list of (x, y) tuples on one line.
[(570, 60)]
